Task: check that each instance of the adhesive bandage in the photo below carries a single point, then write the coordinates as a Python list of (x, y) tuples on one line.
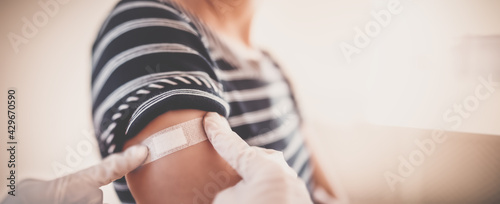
[(175, 138)]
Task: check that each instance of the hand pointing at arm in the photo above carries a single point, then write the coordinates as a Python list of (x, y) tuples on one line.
[(82, 186), (266, 177)]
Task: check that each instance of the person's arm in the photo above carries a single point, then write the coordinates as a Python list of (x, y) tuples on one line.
[(151, 69), (192, 175)]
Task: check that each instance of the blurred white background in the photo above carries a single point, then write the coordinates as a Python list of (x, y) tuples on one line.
[(427, 59), (407, 76)]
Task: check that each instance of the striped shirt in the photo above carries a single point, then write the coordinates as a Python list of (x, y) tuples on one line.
[(151, 57)]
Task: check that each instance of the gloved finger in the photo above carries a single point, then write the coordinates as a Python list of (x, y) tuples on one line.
[(246, 160), (76, 195), (272, 162), (30, 191), (226, 142), (95, 197), (228, 195), (53, 192), (113, 167)]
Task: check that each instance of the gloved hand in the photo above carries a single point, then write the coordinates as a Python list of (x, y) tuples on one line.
[(266, 177), (82, 186)]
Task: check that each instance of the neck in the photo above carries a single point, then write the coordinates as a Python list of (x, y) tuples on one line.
[(230, 18)]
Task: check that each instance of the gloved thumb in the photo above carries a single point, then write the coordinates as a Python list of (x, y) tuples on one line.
[(111, 168), (82, 186), (247, 161), (226, 142)]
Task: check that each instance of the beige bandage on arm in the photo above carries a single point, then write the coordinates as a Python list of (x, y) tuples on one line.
[(175, 138)]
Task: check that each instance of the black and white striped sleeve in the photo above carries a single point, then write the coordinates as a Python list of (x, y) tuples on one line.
[(148, 59)]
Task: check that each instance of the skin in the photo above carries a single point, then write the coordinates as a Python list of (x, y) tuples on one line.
[(187, 179), (171, 179), (230, 19)]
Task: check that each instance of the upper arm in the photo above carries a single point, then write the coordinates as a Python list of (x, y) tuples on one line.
[(151, 70), (148, 60), (191, 175)]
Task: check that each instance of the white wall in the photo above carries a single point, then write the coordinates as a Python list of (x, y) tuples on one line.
[(52, 76), (409, 74)]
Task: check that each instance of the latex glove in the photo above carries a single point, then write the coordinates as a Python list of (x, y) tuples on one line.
[(82, 186), (266, 177)]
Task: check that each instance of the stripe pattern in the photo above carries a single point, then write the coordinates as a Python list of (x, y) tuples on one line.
[(151, 57)]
